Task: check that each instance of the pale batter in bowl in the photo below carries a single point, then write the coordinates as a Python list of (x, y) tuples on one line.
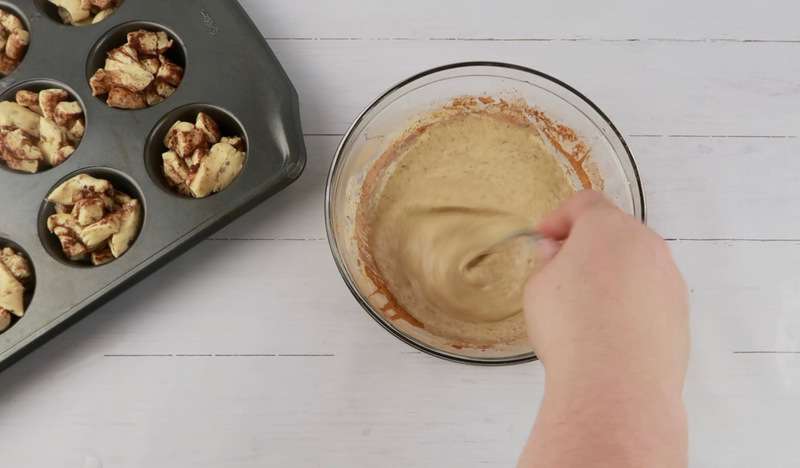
[(437, 199)]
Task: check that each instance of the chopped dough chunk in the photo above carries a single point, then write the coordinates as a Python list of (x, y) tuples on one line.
[(94, 222), (138, 74), (15, 275), (200, 161), (14, 40), (85, 12), (40, 130)]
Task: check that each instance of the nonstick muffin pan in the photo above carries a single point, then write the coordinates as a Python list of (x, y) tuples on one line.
[(230, 74)]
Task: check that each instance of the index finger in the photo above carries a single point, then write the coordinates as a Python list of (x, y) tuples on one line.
[(559, 224)]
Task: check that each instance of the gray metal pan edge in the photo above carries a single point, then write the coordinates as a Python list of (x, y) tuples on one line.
[(228, 67)]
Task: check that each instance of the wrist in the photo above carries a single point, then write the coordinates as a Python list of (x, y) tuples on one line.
[(619, 434), (626, 420), (617, 392)]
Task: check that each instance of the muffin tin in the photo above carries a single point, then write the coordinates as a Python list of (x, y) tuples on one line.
[(230, 73)]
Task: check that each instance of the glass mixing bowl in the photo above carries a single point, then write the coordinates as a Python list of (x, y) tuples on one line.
[(403, 105)]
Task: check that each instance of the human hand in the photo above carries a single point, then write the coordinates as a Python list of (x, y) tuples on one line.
[(610, 300), (607, 315)]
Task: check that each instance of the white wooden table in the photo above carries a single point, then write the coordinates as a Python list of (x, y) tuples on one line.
[(250, 352)]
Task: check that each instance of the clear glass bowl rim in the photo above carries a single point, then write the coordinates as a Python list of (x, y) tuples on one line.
[(335, 164)]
